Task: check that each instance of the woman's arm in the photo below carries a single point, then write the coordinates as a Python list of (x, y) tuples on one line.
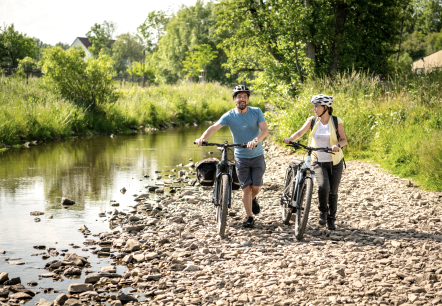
[(342, 140), (299, 133)]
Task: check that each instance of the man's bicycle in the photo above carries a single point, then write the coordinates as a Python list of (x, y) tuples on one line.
[(298, 185), (222, 193)]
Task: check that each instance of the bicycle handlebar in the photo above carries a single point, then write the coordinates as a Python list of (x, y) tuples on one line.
[(205, 143), (296, 146)]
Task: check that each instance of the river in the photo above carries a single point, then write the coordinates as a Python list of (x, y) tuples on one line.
[(91, 171)]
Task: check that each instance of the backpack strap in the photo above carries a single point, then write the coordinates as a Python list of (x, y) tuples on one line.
[(335, 124), (313, 122)]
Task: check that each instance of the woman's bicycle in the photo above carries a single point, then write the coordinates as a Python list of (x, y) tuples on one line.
[(298, 185), (222, 193)]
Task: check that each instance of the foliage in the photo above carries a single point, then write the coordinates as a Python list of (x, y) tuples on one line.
[(62, 45), (197, 60), (36, 112), (388, 121), (15, 46), (136, 68), (189, 26), (126, 49), (427, 16), (28, 64), (269, 44), (153, 28), (100, 36), (86, 82)]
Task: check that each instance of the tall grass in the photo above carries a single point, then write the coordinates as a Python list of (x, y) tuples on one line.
[(30, 112), (396, 122)]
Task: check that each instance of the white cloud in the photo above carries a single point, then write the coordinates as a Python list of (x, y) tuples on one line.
[(53, 21)]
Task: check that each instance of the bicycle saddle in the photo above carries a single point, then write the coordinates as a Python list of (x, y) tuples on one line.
[(296, 162)]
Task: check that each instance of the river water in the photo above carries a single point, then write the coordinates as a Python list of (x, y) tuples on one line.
[(91, 171)]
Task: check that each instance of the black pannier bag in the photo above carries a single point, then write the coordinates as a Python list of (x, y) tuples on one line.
[(206, 171), (235, 183)]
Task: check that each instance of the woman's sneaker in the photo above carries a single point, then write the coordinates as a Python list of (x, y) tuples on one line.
[(255, 207), (250, 222)]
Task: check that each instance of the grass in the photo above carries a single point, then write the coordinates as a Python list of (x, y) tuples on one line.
[(30, 112), (396, 122)]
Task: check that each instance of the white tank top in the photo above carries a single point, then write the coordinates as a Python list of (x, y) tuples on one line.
[(322, 139)]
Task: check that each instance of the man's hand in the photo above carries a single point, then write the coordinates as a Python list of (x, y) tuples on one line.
[(335, 148), (200, 141), (252, 144)]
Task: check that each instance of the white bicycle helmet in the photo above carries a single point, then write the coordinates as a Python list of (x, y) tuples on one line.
[(322, 100)]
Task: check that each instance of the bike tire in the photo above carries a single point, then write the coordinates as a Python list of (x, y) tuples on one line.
[(223, 207), (304, 208), (287, 196)]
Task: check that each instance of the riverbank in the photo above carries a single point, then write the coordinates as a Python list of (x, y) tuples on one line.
[(167, 251), (30, 112), (396, 122)]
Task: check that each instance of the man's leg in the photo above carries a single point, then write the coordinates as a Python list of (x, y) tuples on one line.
[(247, 196), (255, 191)]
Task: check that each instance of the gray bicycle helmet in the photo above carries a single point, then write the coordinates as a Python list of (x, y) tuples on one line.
[(322, 100), (240, 88)]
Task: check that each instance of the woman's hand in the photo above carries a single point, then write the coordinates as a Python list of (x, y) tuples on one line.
[(287, 140), (335, 148)]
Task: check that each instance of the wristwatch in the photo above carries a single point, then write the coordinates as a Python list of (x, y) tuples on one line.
[(339, 145), (255, 139)]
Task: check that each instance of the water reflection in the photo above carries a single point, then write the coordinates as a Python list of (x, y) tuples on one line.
[(90, 171)]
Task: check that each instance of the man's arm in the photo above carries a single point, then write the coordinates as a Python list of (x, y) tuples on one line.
[(209, 132), (263, 134)]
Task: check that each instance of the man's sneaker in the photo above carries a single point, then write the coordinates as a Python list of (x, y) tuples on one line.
[(250, 222), (331, 224), (323, 217), (255, 207)]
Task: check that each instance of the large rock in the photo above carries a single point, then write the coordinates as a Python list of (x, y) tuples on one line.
[(92, 279), (4, 276), (4, 293), (132, 245), (79, 288), (12, 281), (72, 302), (43, 302), (66, 201), (109, 269), (21, 296), (125, 298), (77, 260), (61, 299)]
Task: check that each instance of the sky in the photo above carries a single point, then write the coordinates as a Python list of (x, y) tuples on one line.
[(54, 21)]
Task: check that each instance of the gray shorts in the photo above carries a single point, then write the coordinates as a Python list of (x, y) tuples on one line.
[(250, 170)]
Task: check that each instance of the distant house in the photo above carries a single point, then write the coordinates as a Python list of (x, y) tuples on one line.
[(85, 44), (428, 63)]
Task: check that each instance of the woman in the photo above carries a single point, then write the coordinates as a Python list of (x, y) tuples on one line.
[(328, 168)]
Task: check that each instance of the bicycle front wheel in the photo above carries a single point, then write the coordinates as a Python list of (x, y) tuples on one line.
[(287, 196), (221, 209), (305, 199)]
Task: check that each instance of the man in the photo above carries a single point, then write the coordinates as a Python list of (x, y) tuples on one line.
[(247, 125)]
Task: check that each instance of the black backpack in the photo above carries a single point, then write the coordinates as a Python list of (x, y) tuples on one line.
[(206, 171)]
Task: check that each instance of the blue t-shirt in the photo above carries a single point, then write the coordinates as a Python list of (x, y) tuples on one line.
[(244, 127)]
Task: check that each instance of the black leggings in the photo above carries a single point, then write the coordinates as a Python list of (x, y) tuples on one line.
[(328, 178)]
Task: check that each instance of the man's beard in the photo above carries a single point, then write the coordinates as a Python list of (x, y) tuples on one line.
[(241, 105)]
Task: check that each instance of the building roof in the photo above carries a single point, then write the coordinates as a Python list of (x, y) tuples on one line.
[(86, 42), (423, 58)]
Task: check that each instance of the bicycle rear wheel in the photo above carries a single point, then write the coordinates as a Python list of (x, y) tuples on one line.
[(221, 209), (287, 196), (305, 199)]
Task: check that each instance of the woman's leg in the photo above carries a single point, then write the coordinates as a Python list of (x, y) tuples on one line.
[(322, 178), (335, 180)]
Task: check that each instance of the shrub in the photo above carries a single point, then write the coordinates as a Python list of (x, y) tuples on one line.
[(86, 82)]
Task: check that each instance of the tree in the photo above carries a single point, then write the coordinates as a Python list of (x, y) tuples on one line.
[(427, 16), (268, 47), (85, 82), (15, 46), (62, 45), (153, 28), (101, 36), (136, 68), (126, 49), (196, 60), (189, 26)]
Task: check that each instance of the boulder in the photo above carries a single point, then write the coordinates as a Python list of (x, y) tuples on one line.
[(77, 260), (4, 276), (79, 288), (92, 279), (72, 302), (132, 245), (20, 296), (125, 298), (61, 299), (12, 281), (43, 302), (66, 201), (109, 269)]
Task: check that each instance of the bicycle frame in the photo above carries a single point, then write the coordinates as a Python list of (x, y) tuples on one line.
[(301, 174), (222, 168)]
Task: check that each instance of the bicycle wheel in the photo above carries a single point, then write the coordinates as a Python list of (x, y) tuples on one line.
[(305, 199), (287, 196), (221, 210)]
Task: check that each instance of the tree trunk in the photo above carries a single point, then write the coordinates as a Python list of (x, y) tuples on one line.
[(310, 48), (340, 12)]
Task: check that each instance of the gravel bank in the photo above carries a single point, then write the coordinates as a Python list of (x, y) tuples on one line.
[(386, 250)]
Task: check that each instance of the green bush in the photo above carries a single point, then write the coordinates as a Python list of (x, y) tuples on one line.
[(86, 82)]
